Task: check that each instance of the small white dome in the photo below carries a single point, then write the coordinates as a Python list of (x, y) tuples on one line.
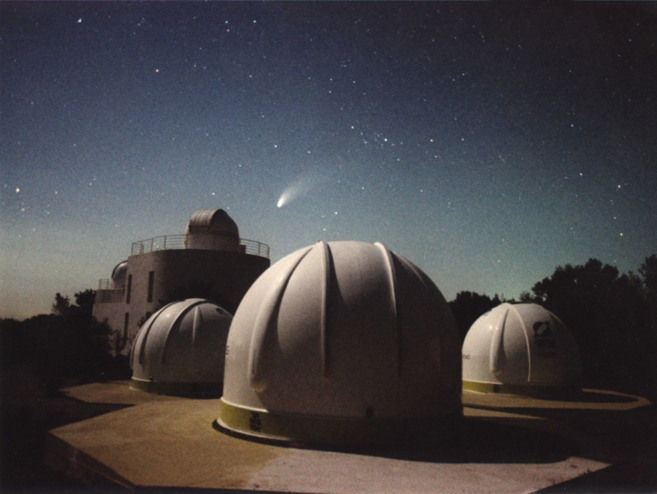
[(342, 342), (180, 349), (212, 229), (520, 349), (119, 276)]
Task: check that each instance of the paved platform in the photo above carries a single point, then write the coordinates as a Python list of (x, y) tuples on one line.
[(508, 444)]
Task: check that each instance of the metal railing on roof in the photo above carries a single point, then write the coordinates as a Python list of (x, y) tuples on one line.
[(172, 242), (104, 284), (106, 294)]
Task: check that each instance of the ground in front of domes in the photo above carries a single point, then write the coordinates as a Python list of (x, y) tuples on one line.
[(598, 441)]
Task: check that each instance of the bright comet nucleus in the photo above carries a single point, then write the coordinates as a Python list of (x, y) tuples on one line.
[(300, 187), (281, 202), (288, 194)]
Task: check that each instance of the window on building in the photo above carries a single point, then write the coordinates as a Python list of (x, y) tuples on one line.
[(126, 323), (151, 283), (128, 289)]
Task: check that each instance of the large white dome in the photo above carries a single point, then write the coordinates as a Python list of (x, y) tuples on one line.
[(521, 348), (342, 342), (180, 349)]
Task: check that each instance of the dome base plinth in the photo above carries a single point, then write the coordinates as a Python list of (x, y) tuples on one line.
[(555, 392), (204, 390), (306, 430)]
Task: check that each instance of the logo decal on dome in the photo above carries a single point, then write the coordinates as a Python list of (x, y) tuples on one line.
[(544, 338), (255, 422)]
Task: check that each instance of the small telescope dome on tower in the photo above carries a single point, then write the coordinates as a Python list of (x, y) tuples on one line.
[(117, 281), (338, 343), (212, 229), (521, 349), (180, 349)]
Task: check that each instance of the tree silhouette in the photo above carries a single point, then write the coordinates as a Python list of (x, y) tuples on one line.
[(648, 271), (85, 301), (61, 305), (68, 344), (468, 306), (606, 312), (12, 342)]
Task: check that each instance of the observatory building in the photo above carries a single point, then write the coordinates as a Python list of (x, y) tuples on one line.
[(180, 349), (520, 349), (209, 261), (338, 343)]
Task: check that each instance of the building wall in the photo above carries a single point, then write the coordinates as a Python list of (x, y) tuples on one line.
[(109, 308), (157, 278)]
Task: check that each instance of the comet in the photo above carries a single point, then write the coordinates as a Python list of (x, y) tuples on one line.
[(285, 196), (300, 187)]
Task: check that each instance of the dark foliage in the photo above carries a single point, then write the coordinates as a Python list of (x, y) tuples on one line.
[(612, 317), (61, 305), (648, 271), (39, 356), (468, 306), (12, 343), (85, 301), (68, 345)]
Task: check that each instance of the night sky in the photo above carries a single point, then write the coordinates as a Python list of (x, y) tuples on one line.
[(487, 143)]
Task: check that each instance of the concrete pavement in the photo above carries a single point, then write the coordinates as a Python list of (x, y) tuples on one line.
[(508, 444)]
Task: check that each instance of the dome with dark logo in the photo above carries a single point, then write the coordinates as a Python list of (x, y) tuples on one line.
[(520, 348)]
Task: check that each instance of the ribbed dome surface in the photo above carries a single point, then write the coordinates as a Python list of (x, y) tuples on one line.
[(345, 330), (519, 348), (181, 348)]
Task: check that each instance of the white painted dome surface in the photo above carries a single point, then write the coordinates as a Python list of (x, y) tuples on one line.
[(180, 349), (212, 229), (119, 276), (519, 348), (345, 331)]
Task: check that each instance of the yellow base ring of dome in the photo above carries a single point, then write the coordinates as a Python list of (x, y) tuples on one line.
[(318, 430), (527, 390)]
